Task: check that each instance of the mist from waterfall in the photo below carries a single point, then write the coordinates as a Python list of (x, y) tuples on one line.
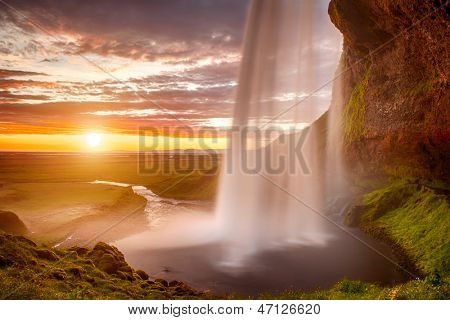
[(269, 222), (271, 193), (290, 50)]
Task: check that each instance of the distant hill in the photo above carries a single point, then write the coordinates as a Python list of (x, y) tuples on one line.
[(11, 223)]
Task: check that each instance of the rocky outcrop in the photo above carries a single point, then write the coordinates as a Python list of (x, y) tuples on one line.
[(32, 271), (395, 86), (10, 222), (110, 260)]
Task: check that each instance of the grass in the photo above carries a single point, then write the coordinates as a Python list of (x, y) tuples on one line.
[(431, 288), (190, 186), (354, 111), (187, 177), (25, 275), (415, 216)]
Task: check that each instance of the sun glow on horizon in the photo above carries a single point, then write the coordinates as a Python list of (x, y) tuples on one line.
[(93, 139), (104, 142)]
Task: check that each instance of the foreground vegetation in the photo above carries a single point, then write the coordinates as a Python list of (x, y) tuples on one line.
[(413, 216), (30, 271), (431, 288)]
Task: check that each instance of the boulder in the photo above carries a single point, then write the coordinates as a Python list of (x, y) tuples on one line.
[(81, 251), (162, 281), (142, 274), (46, 254), (108, 264), (175, 283), (110, 260)]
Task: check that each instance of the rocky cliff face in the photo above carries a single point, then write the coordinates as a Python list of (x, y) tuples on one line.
[(395, 64)]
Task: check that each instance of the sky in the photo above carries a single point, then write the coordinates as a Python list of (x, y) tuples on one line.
[(72, 68)]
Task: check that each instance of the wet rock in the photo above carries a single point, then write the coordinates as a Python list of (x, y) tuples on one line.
[(353, 215), (142, 274)]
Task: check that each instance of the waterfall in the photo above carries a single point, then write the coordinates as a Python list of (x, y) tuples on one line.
[(290, 50)]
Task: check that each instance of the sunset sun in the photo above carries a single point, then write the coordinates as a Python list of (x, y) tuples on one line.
[(93, 139)]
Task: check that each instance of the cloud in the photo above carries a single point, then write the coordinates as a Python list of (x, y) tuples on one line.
[(135, 112), (174, 31), (14, 83), (49, 60), (196, 43), (5, 73), (6, 95), (75, 117), (182, 55)]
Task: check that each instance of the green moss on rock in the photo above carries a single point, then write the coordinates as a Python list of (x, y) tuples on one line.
[(415, 216), (354, 111)]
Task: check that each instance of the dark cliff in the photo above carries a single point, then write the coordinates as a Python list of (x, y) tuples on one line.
[(395, 86)]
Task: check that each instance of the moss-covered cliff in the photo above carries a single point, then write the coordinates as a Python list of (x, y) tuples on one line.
[(395, 86)]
